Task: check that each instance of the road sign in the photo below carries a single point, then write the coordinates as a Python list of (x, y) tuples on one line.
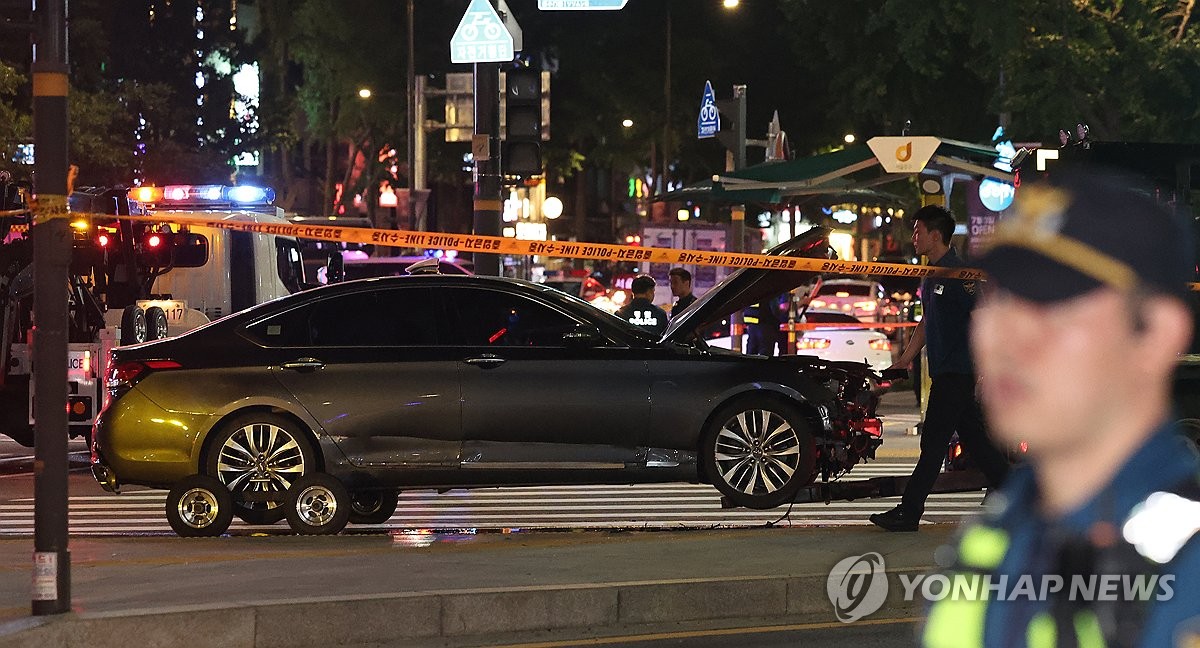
[(481, 36), (554, 5), (709, 121)]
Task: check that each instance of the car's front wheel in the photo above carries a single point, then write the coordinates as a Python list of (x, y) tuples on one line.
[(758, 452), (258, 456)]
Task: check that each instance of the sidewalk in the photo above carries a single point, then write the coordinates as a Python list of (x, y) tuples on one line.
[(427, 590)]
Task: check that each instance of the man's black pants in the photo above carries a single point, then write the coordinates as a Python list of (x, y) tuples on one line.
[(952, 407)]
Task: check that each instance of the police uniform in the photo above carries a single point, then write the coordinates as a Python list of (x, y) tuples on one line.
[(642, 312), (762, 326), (1144, 522), (952, 405), (1126, 561)]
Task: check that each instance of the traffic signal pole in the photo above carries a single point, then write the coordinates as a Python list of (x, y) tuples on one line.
[(485, 147), (735, 141), (51, 260)]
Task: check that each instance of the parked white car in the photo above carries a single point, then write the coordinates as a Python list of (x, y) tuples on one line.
[(841, 341), (862, 298)]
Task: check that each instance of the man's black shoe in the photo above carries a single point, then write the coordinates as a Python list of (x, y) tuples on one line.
[(896, 520)]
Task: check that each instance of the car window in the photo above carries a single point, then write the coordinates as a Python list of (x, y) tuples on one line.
[(494, 318), (289, 263), (395, 317)]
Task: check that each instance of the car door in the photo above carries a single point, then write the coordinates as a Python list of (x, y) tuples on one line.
[(368, 366), (530, 401)]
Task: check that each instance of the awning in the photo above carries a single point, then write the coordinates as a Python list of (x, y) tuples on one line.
[(882, 160)]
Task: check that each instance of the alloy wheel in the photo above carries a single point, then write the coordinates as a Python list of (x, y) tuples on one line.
[(757, 452), (260, 458), (316, 505), (198, 508)]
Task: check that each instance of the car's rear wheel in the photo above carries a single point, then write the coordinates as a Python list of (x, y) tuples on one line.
[(372, 506), (758, 452), (318, 504), (258, 456), (199, 506)]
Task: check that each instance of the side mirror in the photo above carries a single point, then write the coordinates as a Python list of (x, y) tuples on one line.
[(335, 268), (582, 336)]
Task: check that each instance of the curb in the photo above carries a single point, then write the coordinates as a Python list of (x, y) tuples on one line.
[(456, 617)]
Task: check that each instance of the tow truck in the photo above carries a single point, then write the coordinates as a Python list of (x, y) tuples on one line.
[(136, 280)]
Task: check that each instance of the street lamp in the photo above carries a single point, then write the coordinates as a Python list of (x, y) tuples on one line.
[(730, 4), (364, 93), (552, 207), (849, 138), (627, 123)]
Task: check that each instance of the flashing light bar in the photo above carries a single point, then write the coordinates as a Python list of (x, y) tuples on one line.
[(202, 195)]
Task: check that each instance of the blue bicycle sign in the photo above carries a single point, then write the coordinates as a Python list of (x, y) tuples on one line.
[(709, 122)]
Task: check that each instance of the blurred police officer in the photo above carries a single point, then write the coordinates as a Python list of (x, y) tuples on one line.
[(681, 288), (947, 305), (1076, 338), (762, 325), (642, 311)]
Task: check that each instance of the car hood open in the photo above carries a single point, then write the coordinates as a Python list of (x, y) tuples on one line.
[(747, 286)]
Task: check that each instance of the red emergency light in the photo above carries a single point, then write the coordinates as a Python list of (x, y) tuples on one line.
[(103, 240), (154, 240)]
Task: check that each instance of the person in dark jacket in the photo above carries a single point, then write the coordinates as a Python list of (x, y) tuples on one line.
[(681, 288), (642, 311)]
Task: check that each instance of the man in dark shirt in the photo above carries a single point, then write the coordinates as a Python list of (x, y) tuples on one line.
[(642, 311), (681, 288), (952, 403)]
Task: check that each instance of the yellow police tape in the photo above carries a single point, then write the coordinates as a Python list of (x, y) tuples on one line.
[(594, 251), (810, 326), (562, 249)]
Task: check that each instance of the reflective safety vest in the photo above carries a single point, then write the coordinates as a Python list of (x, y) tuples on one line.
[(1150, 538)]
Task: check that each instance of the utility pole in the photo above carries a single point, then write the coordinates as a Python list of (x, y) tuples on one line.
[(734, 140), (414, 125), (488, 205), (51, 261)]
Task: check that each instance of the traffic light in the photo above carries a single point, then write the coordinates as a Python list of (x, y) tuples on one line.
[(523, 122)]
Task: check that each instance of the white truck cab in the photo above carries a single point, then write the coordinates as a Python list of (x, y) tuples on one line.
[(134, 281)]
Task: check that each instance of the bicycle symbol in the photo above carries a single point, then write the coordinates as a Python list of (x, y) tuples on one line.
[(708, 113), (491, 30)]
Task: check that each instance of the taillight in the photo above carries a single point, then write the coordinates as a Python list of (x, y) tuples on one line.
[(125, 374), (880, 345), (811, 343)]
